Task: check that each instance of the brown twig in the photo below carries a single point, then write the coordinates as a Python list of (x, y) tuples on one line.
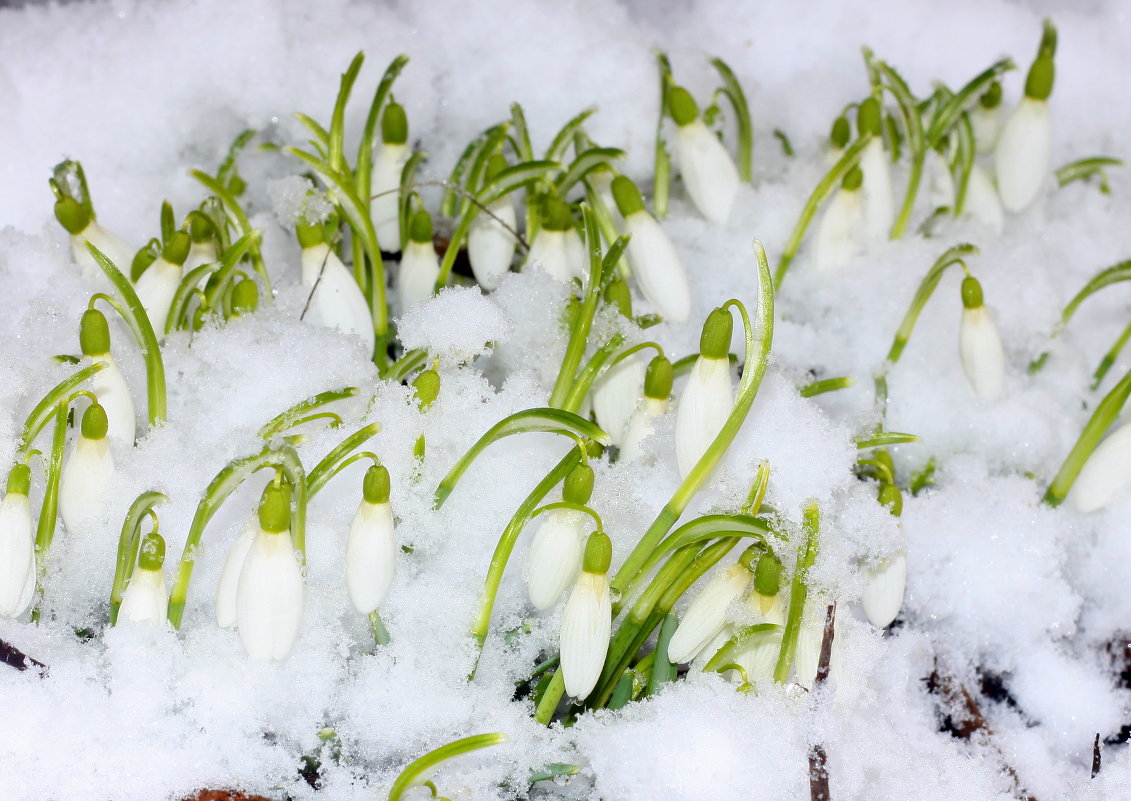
[(13, 657), (818, 759)]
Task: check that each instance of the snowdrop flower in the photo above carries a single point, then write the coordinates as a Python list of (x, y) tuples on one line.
[(558, 246), (226, 589), (269, 592), (982, 202), (655, 264), (1021, 157), (337, 300), (420, 267), (836, 241), (146, 599), (245, 297), (879, 203), (1106, 474), (839, 135), (708, 398), (707, 169), (556, 550), (587, 620), (707, 614), (985, 118), (809, 638), (758, 655), (17, 545), (654, 405), (940, 183), (883, 593), (82, 487), (979, 345), (490, 246), (371, 548), (108, 384), (80, 224), (203, 248), (158, 284), (384, 208), (617, 392)]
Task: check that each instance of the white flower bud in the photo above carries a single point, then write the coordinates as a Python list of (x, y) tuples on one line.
[(616, 394), (758, 655), (879, 203), (371, 556), (156, 288), (586, 625), (17, 553), (940, 183), (112, 246), (337, 302), (639, 427), (836, 240), (707, 614), (704, 407), (555, 556), (82, 486), (226, 614), (420, 267), (883, 594), (146, 599), (560, 253), (657, 268), (109, 386), (986, 123), (1021, 157), (1106, 474), (269, 596), (707, 170), (982, 357), (982, 202), (490, 246), (384, 209)]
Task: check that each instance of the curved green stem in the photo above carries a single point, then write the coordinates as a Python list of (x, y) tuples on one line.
[(418, 771), (128, 543), (45, 409), (733, 91), (336, 460), (292, 416), (45, 529), (953, 255), (807, 554), (239, 219)]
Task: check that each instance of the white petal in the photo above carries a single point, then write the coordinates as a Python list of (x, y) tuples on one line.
[(385, 209), (883, 594), (109, 386), (982, 355), (707, 170), (371, 556), (987, 125), (835, 242), (704, 406), (584, 641), (657, 267), (155, 290), (17, 555), (420, 267), (808, 653), (560, 253), (146, 599), (982, 202), (555, 556), (879, 203), (616, 394), (1021, 158), (338, 302), (707, 614), (490, 246), (200, 253), (112, 246), (1106, 474), (82, 486), (940, 181), (639, 427), (226, 614), (758, 655), (269, 597)]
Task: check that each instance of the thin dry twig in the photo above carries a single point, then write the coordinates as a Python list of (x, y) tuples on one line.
[(818, 759)]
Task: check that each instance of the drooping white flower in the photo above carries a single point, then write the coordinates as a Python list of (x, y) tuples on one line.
[(80, 224), (337, 301), (227, 616), (558, 247), (82, 486), (707, 614), (940, 183), (269, 593), (587, 620), (200, 253), (883, 594), (979, 345), (108, 384), (420, 266), (157, 286), (656, 265), (708, 397), (616, 394), (490, 246), (985, 119), (707, 169), (146, 599), (1106, 474), (371, 548), (879, 202), (837, 240), (758, 654), (17, 545), (1024, 148), (655, 404), (384, 208), (982, 202), (557, 547)]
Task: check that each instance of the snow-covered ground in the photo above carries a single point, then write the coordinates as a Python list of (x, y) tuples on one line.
[(1018, 602)]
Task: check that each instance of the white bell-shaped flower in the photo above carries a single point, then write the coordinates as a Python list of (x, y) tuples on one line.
[(490, 246), (371, 548), (940, 183), (879, 202), (17, 545), (388, 165), (982, 202), (707, 614), (654, 405), (420, 266), (80, 224), (337, 301), (587, 620), (558, 544), (656, 265), (985, 119), (269, 594), (558, 247), (707, 169), (616, 394), (979, 345), (86, 474), (708, 397), (886, 580), (1106, 474), (758, 654), (1024, 148), (227, 616), (108, 384), (157, 286), (146, 599), (837, 238)]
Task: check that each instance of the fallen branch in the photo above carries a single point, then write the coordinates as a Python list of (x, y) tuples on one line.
[(12, 656), (818, 759)]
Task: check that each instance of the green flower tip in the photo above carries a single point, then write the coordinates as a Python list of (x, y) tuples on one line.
[(556, 214), (627, 196), (71, 215), (971, 293), (1038, 84), (853, 180), (841, 132), (991, 98), (176, 250), (375, 488), (682, 106), (659, 378), (598, 553), (427, 386), (275, 507), (94, 333), (578, 485), (142, 259), (19, 479), (309, 235), (495, 165), (617, 294), (394, 124), (199, 228), (152, 552), (94, 422), (1047, 46), (869, 117), (420, 228), (892, 498), (245, 297), (767, 574), (714, 343)]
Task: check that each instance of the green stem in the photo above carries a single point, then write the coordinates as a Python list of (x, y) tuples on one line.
[(807, 554), (239, 219), (733, 91), (128, 543), (378, 630), (45, 409), (662, 168), (550, 699), (337, 459), (420, 769), (45, 530), (953, 255), (663, 671), (1109, 358), (290, 418)]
